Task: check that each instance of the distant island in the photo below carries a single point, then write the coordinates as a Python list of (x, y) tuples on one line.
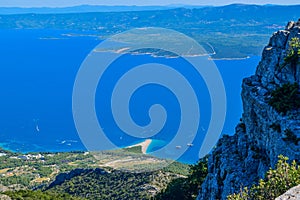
[(233, 31)]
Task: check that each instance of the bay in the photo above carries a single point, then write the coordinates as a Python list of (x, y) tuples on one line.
[(37, 72)]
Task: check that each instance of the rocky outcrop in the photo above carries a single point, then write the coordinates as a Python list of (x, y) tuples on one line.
[(242, 159), (4, 197), (269, 71), (292, 194), (3, 188)]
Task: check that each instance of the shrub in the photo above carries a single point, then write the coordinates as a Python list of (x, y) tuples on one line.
[(276, 182), (33, 195), (285, 98), (186, 188), (293, 52), (243, 195)]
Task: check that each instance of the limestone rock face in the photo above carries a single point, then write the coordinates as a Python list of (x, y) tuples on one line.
[(292, 194), (242, 159), (270, 70), (4, 197)]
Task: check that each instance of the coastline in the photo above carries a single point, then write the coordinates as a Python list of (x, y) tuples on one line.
[(144, 145), (7, 147), (242, 58)]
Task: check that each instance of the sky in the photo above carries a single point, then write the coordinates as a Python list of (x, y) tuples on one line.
[(66, 3)]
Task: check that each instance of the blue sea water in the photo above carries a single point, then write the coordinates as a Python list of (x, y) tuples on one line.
[(37, 72)]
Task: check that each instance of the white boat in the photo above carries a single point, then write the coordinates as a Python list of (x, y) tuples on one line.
[(37, 128)]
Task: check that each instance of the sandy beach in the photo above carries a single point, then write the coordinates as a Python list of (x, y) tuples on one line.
[(144, 145)]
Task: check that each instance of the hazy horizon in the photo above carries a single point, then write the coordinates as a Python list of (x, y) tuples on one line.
[(71, 3)]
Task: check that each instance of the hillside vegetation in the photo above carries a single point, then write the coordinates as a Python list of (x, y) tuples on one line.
[(124, 173)]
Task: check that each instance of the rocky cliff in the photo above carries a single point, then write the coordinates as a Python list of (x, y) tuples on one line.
[(242, 159)]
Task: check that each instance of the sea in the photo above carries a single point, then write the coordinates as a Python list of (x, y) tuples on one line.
[(37, 73)]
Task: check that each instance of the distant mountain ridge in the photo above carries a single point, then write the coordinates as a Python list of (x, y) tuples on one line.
[(233, 30), (85, 9), (105, 8)]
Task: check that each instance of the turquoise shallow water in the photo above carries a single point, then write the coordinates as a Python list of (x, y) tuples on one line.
[(155, 144), (36, 93)]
